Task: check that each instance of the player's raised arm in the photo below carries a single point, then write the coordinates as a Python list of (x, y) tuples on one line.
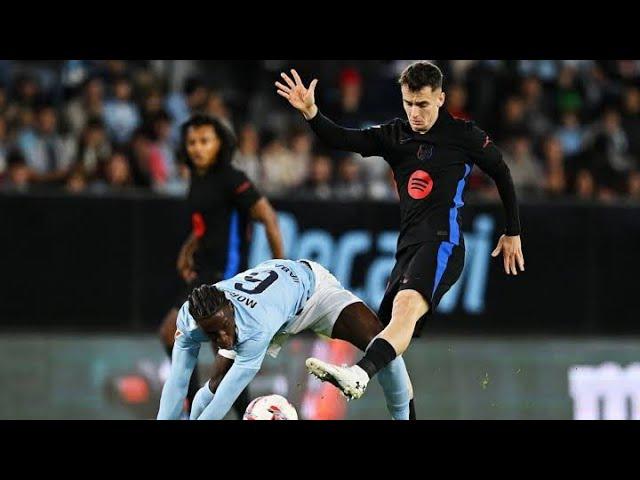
[(183, 361), (367, 142), (490, 161)]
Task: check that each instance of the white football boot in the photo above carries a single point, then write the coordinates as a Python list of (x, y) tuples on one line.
[(351, 381)]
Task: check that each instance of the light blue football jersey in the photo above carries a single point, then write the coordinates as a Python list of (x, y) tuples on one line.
[(266, 299)]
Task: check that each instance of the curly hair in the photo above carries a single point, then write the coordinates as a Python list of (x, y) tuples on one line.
[(205, 301)]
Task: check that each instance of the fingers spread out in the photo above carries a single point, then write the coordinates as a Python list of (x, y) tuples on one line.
[(312, 86), (282, 87), (284, 94), (296, 77), (288, 80)]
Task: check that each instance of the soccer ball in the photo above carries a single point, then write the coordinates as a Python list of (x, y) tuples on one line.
[(270, 407)]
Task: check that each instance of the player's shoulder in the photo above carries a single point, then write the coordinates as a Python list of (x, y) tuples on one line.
[(186, 327), (235, 178), (469, 134), (391, 130)]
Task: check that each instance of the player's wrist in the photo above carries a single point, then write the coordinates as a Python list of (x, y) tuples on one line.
[(310, 113)]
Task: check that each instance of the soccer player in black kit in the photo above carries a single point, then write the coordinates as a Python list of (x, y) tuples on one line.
[(221, 201), (431, 155)]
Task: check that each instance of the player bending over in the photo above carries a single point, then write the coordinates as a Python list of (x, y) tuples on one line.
[(253, 313)]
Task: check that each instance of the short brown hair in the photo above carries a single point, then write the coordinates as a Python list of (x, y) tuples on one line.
[(421, 74)]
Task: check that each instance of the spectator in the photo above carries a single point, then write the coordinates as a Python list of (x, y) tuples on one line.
[(89, 105), (181, 105), (117, 174), (513, 119), (384, 188), (570, 134), (152, 105), (634, 186), (120, 114), (347, 111), (631, 120), (457, 101), (300, 144), (3, 145), (278, 166), (27, 92), (18, 173), (148, 165), (174, 181), (217, 108), (318, 185), (48, 154), (536, 111), (246, 156), (554, 161), (93, 148), (77, 180), (525, 167), (585, 185), (609, 153), (568, 94), (349, 185)]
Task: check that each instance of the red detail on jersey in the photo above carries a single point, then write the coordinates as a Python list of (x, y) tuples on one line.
[(243, 187), (420, 185), (197, 224), (487, 141)]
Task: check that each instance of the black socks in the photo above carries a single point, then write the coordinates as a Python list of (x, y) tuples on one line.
[(379, 354)]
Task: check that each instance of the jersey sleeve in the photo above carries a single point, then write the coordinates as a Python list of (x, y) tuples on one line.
[(242, 191), (368, 142), (489, 159), (183, 360), (250, 354)]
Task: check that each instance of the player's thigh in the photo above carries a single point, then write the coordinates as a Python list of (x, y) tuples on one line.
[(358, 325), (434, 268)]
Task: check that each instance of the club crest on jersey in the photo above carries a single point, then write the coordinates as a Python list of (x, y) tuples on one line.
[(420, 185), (425, 151)]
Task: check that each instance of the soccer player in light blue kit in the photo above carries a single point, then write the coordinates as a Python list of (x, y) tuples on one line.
[(250, 315)]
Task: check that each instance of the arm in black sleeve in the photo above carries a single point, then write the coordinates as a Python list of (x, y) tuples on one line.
[(490, 161), (367, 142), (241, 190)]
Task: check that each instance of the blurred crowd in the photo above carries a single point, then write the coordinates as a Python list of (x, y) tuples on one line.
[(567, 128)]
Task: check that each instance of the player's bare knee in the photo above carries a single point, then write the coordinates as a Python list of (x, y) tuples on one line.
[(410, 304)]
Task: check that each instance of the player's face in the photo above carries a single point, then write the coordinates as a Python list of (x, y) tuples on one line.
[(203, 146), (220, 328), (422, 107)]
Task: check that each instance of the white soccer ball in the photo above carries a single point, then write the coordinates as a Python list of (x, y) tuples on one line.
[(270, 407)]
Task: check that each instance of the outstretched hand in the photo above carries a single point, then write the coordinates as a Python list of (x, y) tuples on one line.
[(299, 96), (511, 249)]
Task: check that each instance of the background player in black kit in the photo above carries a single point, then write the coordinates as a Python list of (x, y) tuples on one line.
[(221, 200), (431, 155)]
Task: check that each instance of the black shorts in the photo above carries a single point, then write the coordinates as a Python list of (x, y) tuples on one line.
[(430, 268), (185, 288)]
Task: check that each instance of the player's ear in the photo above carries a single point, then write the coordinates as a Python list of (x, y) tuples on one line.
[(441, 98)]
